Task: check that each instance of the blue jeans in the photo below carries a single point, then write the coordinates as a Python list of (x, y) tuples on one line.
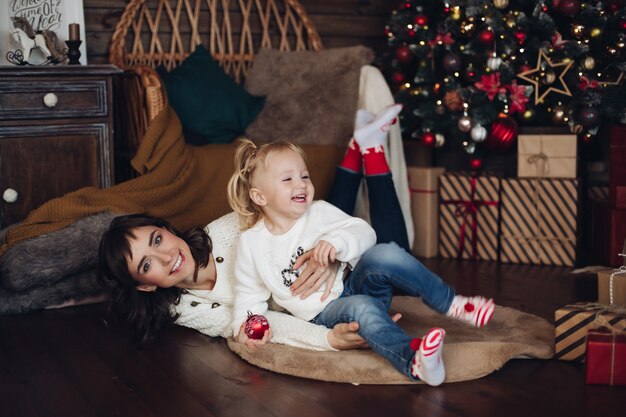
[(385, 212), (367, 296)]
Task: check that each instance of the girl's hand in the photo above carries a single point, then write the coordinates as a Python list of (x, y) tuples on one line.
[(313, 277), (324, 253), (252, 344), (345, 335)]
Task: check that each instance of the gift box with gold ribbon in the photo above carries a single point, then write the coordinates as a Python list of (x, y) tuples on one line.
[(547, 156), (573, 321), (539, 221), (423, 185), (605, 360), (469, 216)]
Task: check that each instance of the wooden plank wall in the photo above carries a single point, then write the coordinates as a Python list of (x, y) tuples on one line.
[(339, 23)]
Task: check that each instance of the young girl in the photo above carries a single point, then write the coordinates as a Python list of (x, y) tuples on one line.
[(273, 195)]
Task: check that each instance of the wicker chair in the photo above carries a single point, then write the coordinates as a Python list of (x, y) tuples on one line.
[(152, 33)]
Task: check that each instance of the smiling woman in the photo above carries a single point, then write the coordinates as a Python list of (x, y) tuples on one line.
[(156, 275)]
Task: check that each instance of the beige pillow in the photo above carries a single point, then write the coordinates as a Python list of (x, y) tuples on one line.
[(311, 97)]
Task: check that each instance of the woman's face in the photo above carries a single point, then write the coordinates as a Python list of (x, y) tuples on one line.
[(159, 259)]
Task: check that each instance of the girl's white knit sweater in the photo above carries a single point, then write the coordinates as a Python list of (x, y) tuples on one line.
[(211, 312)]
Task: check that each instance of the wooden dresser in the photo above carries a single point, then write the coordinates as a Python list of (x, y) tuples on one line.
[(56, 134)]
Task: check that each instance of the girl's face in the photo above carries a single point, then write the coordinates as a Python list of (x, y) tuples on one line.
[(283, 188), (159, 259)]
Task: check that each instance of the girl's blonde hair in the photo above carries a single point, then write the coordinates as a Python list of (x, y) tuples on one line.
[(248, 158)]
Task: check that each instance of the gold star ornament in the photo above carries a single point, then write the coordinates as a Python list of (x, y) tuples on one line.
[(546, 74)]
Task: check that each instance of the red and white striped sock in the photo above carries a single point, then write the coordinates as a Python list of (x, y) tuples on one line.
[(476, 310), (427, 362), (352, 160)]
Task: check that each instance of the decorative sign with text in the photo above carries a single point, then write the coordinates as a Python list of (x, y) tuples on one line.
[(40, 16)]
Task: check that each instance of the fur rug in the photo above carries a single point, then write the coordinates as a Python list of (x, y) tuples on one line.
[(468, 353)]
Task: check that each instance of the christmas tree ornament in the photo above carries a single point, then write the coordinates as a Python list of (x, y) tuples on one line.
[(569, 8), (501, 4), (547, 77), (595, 32), (528, 115), (476, 164), (533, 77), (451, 62), (420, 20), (429, 139), (486, 37), (589, 117), (576, 129), (440, 140), (464, 123), (578, 31), (469, 147), (494, 63), (503, 133), (453, 100), (404, 54), (510, 20), (558, 115), (256, 325), (478, 133), (398, 77), (588, 62)]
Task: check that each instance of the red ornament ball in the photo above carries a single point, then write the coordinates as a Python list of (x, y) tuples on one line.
[(476, 164), (256, 325), (589, 117), (503, 134), (398, 77), (429, 139), (421, 20), (404, 54), (521, 37), (486, 37), (570, 8)]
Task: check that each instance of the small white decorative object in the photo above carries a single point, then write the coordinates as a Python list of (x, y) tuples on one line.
[(9, 195), (440, 140), (478, 133), (50, 100), (494, 63)]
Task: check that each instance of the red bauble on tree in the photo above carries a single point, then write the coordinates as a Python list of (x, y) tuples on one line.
[(398, 77), (404, 54), (486, 37), (429, 139), (569, 8), (476, 164), (503, 134), (256, 325), (421, 20)]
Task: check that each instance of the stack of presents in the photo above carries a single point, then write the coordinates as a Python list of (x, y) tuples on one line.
[(536, 218)]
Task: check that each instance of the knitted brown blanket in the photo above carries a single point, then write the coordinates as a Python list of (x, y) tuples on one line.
[(182, 183)]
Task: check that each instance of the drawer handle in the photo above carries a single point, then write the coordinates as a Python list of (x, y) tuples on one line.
[(50, 100), (9, 195)]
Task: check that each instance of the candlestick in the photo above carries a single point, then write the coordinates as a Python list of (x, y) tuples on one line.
[(74, 29), (73, 53)]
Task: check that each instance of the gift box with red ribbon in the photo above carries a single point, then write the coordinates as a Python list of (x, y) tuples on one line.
[(605, 361), (469, 216), (539, 221)]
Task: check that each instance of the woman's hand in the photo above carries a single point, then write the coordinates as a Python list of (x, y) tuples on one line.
[(313, 277), (252, 344), (345, 335), (324, 253)]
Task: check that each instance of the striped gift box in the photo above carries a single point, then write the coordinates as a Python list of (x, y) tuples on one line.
[(598, 192), (539, 221), (572, 322), (469, 216)]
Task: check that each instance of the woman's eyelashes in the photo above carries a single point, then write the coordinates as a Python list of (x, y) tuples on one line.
[(146, 266)]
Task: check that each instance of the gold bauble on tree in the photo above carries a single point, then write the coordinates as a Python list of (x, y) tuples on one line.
[(589, 62), (501, 4)]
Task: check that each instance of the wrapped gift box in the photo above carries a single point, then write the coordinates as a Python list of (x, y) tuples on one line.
[(547, 156), (612, 282), (617, 237), (539, 221), (469, 216), (423, 185), (572, 322), (605, 361)]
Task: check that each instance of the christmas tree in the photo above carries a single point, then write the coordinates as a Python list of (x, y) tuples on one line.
[(469, 72)]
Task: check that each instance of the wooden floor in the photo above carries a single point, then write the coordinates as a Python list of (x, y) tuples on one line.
[(68, 362)]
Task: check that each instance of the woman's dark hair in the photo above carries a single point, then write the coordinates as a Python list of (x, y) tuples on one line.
[(143, 313)]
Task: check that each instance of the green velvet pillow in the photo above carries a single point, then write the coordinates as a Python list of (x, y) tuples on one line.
[(212, 107)]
